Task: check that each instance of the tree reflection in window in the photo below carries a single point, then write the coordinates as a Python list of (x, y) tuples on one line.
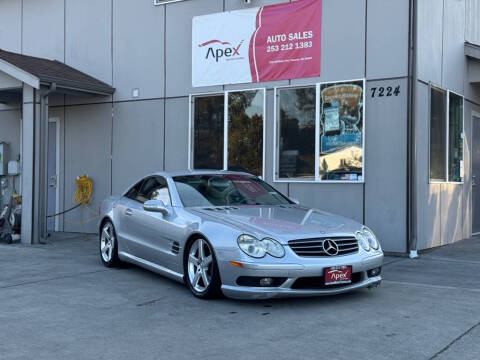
[(296, 148), (245, 131), (208, 132)]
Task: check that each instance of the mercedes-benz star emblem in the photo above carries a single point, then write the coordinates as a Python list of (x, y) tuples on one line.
[(330, 247)]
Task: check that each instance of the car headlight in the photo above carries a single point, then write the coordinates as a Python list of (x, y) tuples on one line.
[(274, 248), (253, 247), (362, 240), (370, 236)]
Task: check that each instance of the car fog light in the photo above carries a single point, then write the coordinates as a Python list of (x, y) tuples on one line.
[(374, 272), (266, 282)]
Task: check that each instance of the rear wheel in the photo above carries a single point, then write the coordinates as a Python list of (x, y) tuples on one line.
[(201, 270), (109, 245)]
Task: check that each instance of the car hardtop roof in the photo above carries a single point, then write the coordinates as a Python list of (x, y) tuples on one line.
[(172, 174)]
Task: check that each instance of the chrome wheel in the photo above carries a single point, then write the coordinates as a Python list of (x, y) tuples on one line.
[(107, 242), (200, 265)]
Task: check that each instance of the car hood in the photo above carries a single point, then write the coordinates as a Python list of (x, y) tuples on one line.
[(282, 222)]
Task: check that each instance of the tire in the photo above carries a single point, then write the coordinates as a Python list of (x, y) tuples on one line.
[(108, 245), (201, 270)]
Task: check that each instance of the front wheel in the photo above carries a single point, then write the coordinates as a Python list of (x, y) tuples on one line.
[(201, 270), (109, 245)]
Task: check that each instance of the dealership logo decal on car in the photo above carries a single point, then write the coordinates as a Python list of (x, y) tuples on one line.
[(338, 275), (228, 52)]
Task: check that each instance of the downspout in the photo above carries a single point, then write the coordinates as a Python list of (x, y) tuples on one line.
[(43, 186), (411, 134)]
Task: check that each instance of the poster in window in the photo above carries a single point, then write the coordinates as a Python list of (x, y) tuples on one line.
[(332, 119), (341, 145)]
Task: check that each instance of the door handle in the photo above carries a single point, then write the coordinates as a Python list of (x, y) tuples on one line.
[(129, 212), (473, 180)]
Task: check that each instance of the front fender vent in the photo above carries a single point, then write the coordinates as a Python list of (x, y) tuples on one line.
[(175, 247), (222, 208)]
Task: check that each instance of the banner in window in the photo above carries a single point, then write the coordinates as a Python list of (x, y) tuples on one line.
[(268, 43)]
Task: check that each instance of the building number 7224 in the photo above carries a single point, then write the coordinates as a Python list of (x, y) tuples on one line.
[(385, 91)]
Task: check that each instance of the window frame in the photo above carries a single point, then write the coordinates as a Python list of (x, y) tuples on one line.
[(447, 134), (191, 124), (276, 123), (142, 182)]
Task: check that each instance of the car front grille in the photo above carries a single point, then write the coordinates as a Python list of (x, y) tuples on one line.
[(314, 247)]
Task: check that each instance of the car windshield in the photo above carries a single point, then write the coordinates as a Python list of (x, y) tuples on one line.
[(228, 189)]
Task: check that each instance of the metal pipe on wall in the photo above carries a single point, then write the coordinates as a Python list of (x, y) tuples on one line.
[(43, 181), (411, 135)]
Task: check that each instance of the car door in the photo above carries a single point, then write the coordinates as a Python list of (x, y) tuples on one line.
[(152, 229), (125, 226)]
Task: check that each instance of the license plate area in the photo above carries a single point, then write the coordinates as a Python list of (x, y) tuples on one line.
[(336, 275)]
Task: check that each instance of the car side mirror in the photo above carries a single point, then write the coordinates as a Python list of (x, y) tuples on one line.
[(155, 206), (296, 201)]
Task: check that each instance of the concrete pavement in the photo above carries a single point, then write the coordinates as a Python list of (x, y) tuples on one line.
[(57, 301)]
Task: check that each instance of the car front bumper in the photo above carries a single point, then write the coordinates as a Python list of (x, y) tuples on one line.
[(292, 272)]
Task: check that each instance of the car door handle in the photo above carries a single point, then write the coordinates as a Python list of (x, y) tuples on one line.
[(129, 212)]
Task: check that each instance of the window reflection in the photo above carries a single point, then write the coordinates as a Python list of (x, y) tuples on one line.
[(296, 146), (341, 131), (455, 139), (208, 132), (245, 131), (438, 104)]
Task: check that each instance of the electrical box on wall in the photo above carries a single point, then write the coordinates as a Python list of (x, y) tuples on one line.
[(13, 167), (3, 158)]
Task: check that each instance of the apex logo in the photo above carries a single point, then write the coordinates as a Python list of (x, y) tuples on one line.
[(217, 54)]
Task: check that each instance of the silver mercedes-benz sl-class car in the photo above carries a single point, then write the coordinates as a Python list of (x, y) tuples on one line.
[(230, 232)]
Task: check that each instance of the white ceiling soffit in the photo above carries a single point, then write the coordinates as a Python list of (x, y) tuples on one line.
[(19, 74)]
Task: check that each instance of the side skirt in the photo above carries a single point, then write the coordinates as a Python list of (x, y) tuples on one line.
[(151, 266)]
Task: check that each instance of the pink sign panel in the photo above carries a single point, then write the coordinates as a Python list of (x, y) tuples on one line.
[(269, 43)]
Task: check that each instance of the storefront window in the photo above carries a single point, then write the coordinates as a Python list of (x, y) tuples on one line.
[(208, 132), (341, 131), (321, 142), (245, 131), (296, 133), (245, 117), (438, 136), (455, 137)]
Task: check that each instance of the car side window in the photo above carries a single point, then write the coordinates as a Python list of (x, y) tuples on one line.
[(132, 193), (154, 188)]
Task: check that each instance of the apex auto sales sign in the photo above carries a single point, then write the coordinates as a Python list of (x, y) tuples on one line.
[(269, 43)]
